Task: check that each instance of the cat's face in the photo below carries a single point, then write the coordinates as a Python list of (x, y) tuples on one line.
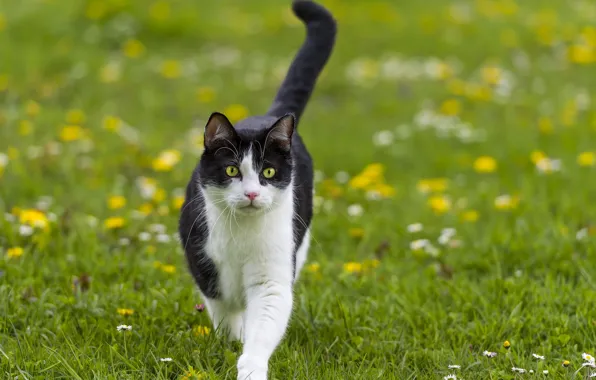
[(248, 172)]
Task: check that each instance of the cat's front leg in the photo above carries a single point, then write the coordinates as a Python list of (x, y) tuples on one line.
[(225, 321), (269, 305)]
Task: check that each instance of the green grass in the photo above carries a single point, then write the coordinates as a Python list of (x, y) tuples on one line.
[(517, 274)]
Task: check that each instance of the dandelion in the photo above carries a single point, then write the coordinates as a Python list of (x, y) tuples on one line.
[(313, 268), (205, 94), (415, 227), (586, 159), (439, 204), (14, 252), (171, 69), (116, 202), (489, 354), (236, 112), (355, 210), (565, 363), (539, 357), (71, 133), (485, 164), (133, 48), (451, 107), (201, 330), (432, 185), (469, 216), (506, 344), (166, 160), (166, 268), (112, 123), (33, 218), (114, 222), (125, 312), (353, 267)]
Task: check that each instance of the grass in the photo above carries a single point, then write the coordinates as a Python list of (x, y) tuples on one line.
[(479, 101)]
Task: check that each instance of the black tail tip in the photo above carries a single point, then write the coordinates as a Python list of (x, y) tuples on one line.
[(309, 11)]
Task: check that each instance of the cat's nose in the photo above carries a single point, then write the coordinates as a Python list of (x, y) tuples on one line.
[(252, 195)]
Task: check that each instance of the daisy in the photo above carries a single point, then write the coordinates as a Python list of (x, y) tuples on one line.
[(454, 366), (489, 354), (450, 377), (536, 356), (414, 227), (518, 370), (165, 359), (124, 328)]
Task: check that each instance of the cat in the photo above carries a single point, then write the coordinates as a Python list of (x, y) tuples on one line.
[(245, 222)]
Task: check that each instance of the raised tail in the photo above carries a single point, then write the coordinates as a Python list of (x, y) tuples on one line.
[(302, 75)]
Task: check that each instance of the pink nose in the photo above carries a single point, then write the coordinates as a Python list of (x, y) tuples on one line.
[(252, 195)]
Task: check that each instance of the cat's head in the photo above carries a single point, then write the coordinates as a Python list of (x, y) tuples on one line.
[(248, 170)]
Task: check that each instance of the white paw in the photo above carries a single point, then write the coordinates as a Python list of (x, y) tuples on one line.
[(252, 368)]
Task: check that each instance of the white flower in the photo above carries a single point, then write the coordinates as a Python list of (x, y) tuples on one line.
[(587, 357), (536, 356), (419, 244), (446, 235), (489, 354), (450, 377), (25, 230), (548, 165), (157, 228), (518, 370), (165, 359), (34, 152), (454, 366), (163, 238), (383, 138), (342, 177), (415, 227), (3, 160), (355, 210), (124, 328), (593, 374), (91, 221), (124, 241), (44, 203), (144, 236), (318, 176), (545, 372), (9, 217), (581, 234)]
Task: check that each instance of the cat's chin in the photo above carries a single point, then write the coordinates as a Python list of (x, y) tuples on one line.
[(250, 210)]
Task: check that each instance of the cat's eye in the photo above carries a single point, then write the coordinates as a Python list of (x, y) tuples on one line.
[(269, 173), (232, 171)]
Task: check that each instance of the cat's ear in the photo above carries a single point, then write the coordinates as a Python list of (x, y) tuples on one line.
[(218, 131), (281, 132)]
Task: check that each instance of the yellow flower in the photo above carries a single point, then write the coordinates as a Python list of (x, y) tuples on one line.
[(566, 363), (360, 182), (177, 202), (313, 268), (125, 312), (582, 54), (470, 216), (14, 252), (171, 69), (133, 48), (205, 94), (116, 202), (96, 9), (451, 107), (25, 127), (193, 375), (75, 116), (506, 344), (537, 156), (506, 202), (112, 123), (485, 164), (71, 133), (159, 195), (33, 218), (430, 185), (114, 222), (586, 159), (146, 208), (166, 160), (439, 204), (545, 125), (353, 267), (386, 191), (356, 232), (236, 112), (491, 75), (201, 330), (168, 268), (160, 10), (32, 108)]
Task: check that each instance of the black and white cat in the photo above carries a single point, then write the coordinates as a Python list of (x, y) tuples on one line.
[(245, 222)]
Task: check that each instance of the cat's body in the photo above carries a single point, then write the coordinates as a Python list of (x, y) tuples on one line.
[(245, 222)]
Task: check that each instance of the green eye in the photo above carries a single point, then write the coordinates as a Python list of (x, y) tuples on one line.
[(232, 171), (269, 173)]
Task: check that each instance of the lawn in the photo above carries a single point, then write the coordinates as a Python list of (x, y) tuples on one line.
[(455, 148)]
